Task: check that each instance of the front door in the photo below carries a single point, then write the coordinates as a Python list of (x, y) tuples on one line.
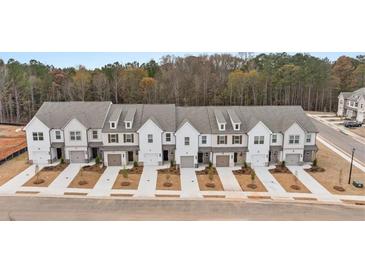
[(235, 157), (130, 156), (200, 157), (94, 152), (59, 153), (165, 155)]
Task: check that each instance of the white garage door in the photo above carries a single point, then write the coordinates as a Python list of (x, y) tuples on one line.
[(258, 160), (292, 159), (40, 157), (150, 159), (187, 161), (77, 157)]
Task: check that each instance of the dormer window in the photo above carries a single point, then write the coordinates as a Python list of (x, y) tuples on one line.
[(113, 125), (222, 127), (128, 125), (237, 127)]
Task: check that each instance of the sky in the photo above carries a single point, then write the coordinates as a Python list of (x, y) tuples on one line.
[(93, 60)]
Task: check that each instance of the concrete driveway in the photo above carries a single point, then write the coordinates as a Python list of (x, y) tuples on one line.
[(189, 183), (228, 180), (105, 183), (271, 184), (147, 182)]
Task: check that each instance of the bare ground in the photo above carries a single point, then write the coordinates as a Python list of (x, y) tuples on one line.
[(13, 167)]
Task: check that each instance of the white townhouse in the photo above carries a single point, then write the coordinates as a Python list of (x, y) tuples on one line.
[(352, 105), (121, 134)]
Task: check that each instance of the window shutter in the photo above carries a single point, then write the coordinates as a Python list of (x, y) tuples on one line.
[(132, 137), (225, 139), (117, 136), (240, 139), (124, 138), (232, 139), (218, 139), (108, 138)]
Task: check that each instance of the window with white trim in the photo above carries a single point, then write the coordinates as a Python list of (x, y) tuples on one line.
[(236, 126), (274, 138), (113, 138), (187, 141), (258, 140), (75, 135), (221, 140), (38, 136), (95, 134), (222, 127), (168, 137), (204, 139), (58, 134), (128, 125), (128, 138), (113, 125), (150, 138), (236, 139), (294, 139), (308, 138)]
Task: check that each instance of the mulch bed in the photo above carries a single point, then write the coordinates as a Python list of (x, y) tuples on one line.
[(206, 171), (59, 167), (243, 171), (339, 188), (171, 170), (97, 168), (315, 169), (133, 170), (280, 169)]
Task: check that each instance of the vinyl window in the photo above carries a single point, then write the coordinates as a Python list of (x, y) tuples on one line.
[(236, 139), (113, 138), (128, 138), (221, 140), (294, 139), (259, 140), (308, 138), (38, 136), (274, 138), (58, 135), (150, 138), (75, 135), (204, 139), (95, 134), (187, 141), (168, 137)]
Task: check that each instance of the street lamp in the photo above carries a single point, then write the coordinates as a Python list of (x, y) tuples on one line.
[(352, 159)]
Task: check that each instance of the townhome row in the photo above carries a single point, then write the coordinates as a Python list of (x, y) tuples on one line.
[(352, 105), (153, 134)]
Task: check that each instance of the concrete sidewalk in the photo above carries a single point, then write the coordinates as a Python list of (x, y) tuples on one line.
[(147, 182), (316, 188), (105, 183), (271, 184), (189, 183), (14, 184)]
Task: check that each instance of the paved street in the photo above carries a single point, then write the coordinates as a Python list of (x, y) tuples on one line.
[(43, 208), (345, 142)]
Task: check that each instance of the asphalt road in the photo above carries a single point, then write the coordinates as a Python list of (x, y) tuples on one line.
[(43, 208), (345, 142)]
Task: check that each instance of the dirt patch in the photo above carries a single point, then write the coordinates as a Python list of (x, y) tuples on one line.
[(174, 180), (242, 171), (75, 193), (288, 182), (245, 182), (333, 163), (171, 170), (279, 169), (203, 180), (120, 195), (259, 197), (133, 180), (13, 167), (87, 177), (44, 178), (59, 167), (134, 170), (359, 131), (12, 139), (206, 171)]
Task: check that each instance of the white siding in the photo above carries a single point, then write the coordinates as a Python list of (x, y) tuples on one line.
[(229, 140), (144, 147), (294, 129), (173, 139), (40, 147), (187, 130), (75, 145), (90, 135), (254, 149), (120, 139), (209, 140), (53, 135)]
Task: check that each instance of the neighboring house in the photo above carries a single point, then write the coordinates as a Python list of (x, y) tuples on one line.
[(121, 134), (352, 105)]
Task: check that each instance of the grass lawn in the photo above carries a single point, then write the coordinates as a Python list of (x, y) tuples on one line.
[(359, 131), (46, 176), (133, 180), (13, 167), (174, 181), (87, 177), (245, 180), (287, 180), (333, 163)]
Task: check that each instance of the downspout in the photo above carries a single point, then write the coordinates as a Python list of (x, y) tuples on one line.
[(50, 144), (87, 145)]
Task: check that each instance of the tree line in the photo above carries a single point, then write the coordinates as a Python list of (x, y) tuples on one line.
[(219, 79)]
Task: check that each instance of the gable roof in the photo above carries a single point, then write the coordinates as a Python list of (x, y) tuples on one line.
[(357, 94), (58, 114), (125, 108), (345, 94), (163, 115), (196, 116)]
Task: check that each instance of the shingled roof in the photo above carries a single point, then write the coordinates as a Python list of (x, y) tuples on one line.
[(58, 114)]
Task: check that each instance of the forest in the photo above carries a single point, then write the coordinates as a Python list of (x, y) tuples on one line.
[(218, 79)]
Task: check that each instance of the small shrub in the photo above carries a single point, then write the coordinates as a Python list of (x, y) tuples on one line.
[(62, 160), (125, 183), (125, 173), (210, 185), (314, 164), (210, 174), (97, 160), (295, 187), (210, 164), (167, 184), (172, 163), (252, 186), (282, 164), (245, 165), (135, 164), (253, 175), (82, 182), (38, 181)]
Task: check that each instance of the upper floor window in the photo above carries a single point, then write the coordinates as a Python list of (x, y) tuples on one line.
[(58, 134), (95, 134), (294, 139), (75, 135), (356, 104), (236, 127), (221, 140), (150, 138), (308, 138), (259, 140), (113, 125), (222, 127), (204, 139), (274, 138), (187, 141), (128, 138), (128, 125), (113, 138), (168, 137), (237, 139), (38, 136)]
